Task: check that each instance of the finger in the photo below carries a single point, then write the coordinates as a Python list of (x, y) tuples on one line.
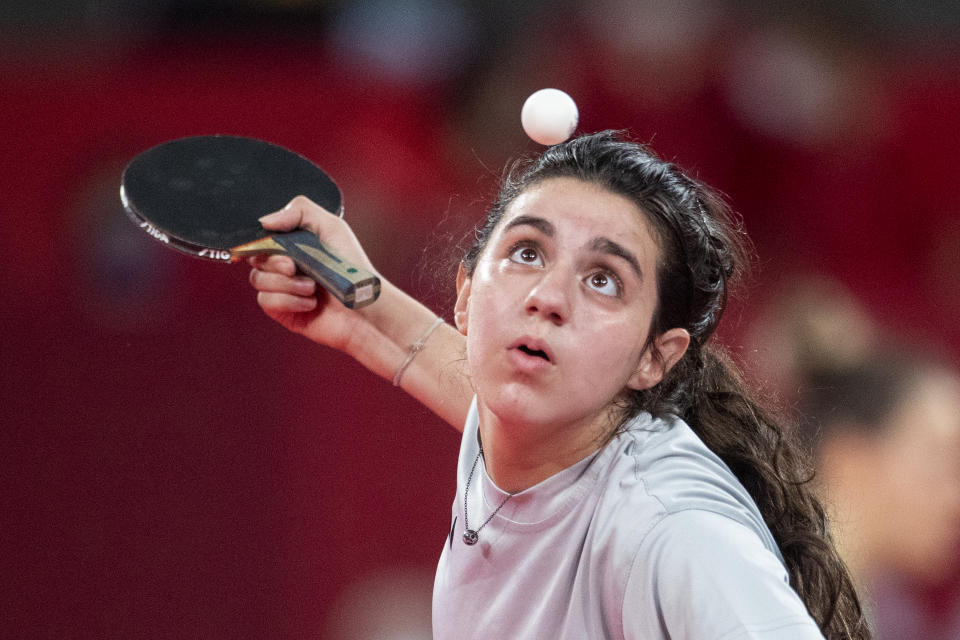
[(301, 212), (270, 282), (285, 303), (275, 263)]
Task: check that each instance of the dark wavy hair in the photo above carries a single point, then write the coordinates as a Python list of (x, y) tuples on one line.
[(703, 250)]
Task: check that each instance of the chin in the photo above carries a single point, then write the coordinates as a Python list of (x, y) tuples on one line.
[(517, 404), (521, 407)]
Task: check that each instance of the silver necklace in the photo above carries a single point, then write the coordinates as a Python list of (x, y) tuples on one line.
[(470, 536)]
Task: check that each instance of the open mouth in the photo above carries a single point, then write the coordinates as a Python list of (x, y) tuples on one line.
[(534, 352)]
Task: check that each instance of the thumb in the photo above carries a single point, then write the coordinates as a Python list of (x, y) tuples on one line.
[(301, 212)]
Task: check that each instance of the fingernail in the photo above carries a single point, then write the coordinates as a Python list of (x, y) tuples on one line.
[(306, 287)]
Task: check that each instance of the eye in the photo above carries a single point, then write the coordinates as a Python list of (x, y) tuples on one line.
[(605, 283), (525, 254)]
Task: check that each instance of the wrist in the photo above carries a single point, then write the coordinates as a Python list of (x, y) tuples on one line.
[(390, 327), (415, 348)]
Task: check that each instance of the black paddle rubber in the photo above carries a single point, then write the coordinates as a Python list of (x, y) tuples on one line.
[(204, 196)]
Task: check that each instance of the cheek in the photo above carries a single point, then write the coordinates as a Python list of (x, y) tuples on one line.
[(487, 305), (608, 353)]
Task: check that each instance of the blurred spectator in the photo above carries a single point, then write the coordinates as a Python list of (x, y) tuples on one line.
[(887, 441), (886, 432), (884, 425)]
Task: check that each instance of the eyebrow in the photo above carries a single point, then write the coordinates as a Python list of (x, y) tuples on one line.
[(600, 244), (541, 225), (606, 245)]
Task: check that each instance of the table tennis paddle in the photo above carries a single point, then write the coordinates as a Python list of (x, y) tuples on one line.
[(203, 196)]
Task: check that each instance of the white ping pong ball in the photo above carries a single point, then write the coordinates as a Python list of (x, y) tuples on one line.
[(549, 116)]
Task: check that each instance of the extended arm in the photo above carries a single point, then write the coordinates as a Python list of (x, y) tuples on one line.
[(378, 336)]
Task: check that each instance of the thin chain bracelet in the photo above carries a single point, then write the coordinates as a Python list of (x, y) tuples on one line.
[(415, 348)]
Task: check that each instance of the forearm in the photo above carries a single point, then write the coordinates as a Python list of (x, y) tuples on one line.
[(380, 335), (437, 375)]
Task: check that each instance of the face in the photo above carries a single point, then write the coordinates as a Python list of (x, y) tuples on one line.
[(919, 485), (558, 308)]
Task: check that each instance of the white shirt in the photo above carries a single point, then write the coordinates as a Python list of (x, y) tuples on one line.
[(650, 537)]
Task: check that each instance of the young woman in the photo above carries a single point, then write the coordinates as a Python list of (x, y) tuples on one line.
[(615, 477)]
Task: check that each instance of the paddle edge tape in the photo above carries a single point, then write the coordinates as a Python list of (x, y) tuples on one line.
[(183, 246)]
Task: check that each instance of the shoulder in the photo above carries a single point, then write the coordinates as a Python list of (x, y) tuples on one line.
[(698, 548), (665, 464), (695, 556), (702, 574)]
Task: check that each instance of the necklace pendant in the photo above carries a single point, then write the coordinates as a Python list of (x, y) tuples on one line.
[(470, 537)]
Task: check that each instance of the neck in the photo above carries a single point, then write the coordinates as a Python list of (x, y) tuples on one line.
[(518, 457)]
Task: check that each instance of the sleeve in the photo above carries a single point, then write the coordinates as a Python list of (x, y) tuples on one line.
[(699, 574)]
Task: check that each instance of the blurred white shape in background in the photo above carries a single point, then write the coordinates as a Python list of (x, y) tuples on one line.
[(416, 40), (388, 605), (786, 88), (651, 28)]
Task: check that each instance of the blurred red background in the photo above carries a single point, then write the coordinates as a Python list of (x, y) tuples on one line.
[(175, 465)]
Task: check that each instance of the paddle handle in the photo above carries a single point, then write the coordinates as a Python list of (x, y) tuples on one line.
[(354, 286)]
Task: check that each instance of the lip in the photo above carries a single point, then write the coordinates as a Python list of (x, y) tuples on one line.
[(534, 344)]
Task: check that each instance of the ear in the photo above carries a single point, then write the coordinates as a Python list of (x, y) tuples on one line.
[(463, 299), (658, 358)]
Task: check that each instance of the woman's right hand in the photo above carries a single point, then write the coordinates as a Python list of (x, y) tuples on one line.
[(380, 335), (295, 300)]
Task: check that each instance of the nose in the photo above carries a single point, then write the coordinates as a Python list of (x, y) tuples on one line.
[(550, 297)]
